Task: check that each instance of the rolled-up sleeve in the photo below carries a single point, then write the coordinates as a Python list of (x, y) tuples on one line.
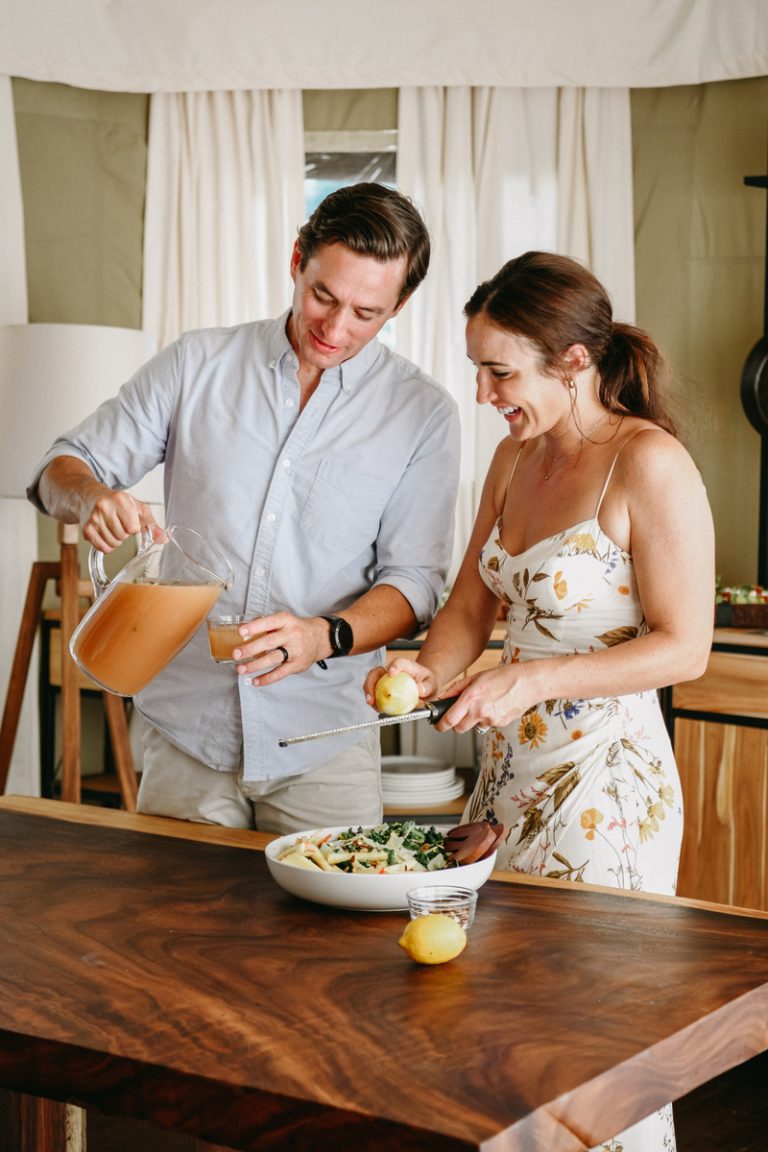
[(415, 540), (127, 436)]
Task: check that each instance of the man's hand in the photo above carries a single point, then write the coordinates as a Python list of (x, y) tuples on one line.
[(71, 493), (266, 640), (114, 516)]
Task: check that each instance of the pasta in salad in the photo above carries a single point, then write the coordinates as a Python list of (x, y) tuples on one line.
[(387, 848)]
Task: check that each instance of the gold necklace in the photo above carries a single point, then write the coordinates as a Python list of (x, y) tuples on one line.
[(558, 461)]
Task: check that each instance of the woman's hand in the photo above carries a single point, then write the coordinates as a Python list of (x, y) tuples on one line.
[(489, 699), (425, 679)]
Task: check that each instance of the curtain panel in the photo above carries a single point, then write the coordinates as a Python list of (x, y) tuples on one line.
[(498, 171), (225, 197)]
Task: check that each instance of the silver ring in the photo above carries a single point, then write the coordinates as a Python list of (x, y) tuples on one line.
[(285, 654), (481, 731)]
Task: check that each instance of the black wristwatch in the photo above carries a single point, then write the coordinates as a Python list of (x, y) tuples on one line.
[(341, 636)]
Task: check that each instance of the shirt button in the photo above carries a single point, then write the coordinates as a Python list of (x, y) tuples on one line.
[(286, 463), (271, 517), (289, 403), (261, 571)]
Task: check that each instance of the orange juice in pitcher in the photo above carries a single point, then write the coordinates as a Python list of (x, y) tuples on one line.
[(152, 608)]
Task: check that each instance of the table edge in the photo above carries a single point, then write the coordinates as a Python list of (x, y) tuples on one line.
[(257, 841)]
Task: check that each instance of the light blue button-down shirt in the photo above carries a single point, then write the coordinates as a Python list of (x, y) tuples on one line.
[(312, 508)]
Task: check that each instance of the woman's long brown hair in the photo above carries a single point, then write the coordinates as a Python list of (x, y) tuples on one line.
[(554, 302)]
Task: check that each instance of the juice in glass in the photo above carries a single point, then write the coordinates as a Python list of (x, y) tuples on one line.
[(224, 636)]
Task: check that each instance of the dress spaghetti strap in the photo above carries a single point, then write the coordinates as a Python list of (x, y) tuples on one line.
[(509, 483), (514, 468), (628, 440)]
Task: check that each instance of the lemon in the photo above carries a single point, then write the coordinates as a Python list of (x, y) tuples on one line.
[(396, 693), (433, 939)]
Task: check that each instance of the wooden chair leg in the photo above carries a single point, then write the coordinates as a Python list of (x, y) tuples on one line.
[(66, 572), (41, 573), (121, 749), (69, 588)]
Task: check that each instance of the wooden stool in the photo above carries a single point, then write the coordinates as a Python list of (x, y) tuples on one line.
[(71, 590), (114, 708)]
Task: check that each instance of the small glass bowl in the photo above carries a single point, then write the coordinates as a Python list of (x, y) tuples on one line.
[(457, 902)]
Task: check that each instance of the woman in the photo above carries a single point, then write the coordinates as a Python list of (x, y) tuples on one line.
[(595, 534)]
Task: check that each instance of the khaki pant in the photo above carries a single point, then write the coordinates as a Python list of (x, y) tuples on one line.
[(344, 790)]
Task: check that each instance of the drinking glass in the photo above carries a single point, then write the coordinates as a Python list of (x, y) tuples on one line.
[(224, 636), (457, 902)]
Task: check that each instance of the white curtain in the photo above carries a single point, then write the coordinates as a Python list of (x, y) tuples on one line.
[(595, 211), (18, 522), (225, 175), (498, 171), (435, 168)]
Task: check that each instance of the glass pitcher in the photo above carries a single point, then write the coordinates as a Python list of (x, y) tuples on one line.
[(143, 617)]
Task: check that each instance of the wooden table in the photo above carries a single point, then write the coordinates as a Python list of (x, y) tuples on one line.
[(171, 979)]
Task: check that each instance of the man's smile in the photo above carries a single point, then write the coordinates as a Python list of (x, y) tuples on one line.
[(321, 345)]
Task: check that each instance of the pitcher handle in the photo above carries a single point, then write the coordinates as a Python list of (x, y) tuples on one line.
[(99, 577)]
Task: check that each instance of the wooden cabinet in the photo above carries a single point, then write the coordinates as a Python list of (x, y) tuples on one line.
[(720, 733)]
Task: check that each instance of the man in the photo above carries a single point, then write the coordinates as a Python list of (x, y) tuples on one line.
[(325, 468)]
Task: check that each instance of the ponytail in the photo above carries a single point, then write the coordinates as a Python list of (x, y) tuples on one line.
[(554, 302), (633, 373)]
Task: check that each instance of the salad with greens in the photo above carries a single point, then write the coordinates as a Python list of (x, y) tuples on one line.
[(402, 846)]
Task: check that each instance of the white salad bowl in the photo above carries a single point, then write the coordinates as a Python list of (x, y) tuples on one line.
[(380, 892)]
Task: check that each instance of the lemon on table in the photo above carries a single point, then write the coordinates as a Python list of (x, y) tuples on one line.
[(396, 693), (433, 939)]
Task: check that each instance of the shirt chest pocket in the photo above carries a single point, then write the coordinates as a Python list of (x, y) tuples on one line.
[(343, 509)]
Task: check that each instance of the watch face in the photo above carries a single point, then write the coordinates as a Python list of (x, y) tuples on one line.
[(341, 635), (344, 638)]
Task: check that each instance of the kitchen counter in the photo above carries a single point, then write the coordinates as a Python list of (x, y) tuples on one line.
[(152, 968)]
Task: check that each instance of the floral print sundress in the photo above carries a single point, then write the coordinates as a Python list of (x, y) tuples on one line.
[(588, 790)]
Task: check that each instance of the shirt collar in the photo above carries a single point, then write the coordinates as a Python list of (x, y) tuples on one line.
[(349, 373)]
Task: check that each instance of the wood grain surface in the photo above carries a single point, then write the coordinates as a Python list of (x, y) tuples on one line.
[(173, 980), (724, 778), (732, 683), (724, 774)]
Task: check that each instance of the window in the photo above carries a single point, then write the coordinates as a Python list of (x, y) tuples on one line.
[(335, 159)]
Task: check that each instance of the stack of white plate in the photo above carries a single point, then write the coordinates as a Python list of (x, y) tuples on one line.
[(418, 782)]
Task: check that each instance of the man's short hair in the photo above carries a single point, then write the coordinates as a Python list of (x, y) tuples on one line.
[(372, 220)]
